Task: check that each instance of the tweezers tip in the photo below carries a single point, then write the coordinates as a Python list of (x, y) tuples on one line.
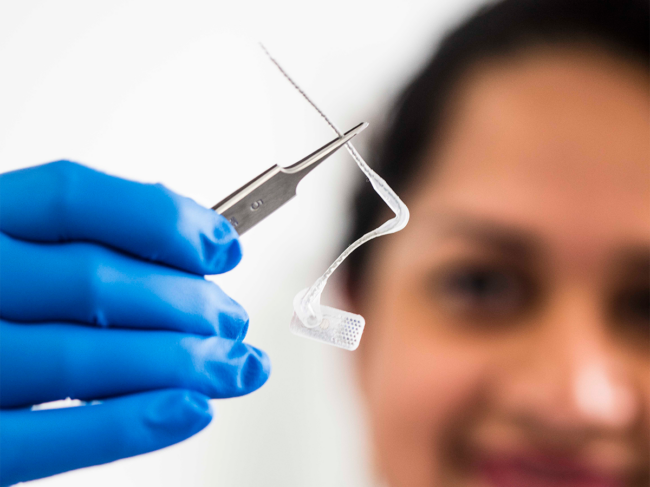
[(356, 130)]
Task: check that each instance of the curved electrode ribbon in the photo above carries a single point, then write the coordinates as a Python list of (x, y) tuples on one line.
[(307, 307)]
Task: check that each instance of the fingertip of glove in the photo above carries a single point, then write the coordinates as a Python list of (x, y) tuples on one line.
[(256, 370), (221, 249), (196, 402), (233, 323), (243, 330), (224, 368), (255, 367), (198, 409), (180, 412), (203, 241)]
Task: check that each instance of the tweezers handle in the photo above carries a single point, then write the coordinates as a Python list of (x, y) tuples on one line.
[(257, 199)]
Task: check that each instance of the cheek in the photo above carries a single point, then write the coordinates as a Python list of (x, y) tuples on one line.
[(420, 380), (420, 384)]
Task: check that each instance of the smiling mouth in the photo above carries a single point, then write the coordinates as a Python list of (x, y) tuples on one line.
[(530, 471)]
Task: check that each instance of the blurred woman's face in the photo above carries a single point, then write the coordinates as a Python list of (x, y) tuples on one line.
[(507, 338)]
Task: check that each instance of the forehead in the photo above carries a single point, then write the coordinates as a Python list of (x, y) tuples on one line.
[(553, 139)]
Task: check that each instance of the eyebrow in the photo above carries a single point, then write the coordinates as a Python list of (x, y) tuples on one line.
[(514, 242)]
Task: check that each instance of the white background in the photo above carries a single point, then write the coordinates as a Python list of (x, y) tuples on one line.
[(180, 93)]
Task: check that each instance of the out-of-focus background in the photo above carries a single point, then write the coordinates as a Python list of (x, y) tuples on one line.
[(180, 93)]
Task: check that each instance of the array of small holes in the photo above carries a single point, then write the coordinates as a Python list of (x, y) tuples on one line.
[(349, 332), (335, 329)]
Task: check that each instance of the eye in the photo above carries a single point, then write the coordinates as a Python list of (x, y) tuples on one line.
[(632, 309), (483, 292)]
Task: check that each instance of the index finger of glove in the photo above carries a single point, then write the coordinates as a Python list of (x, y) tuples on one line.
[(65, 201)]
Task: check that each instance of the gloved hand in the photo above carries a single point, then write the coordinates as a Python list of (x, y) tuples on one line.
[(102, 297)]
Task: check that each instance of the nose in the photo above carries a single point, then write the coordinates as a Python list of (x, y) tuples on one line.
[(570, 374)]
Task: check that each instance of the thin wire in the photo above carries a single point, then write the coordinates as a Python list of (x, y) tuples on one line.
[(389, 196), (300, 90)]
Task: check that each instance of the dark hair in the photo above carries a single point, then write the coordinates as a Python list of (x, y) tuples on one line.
[(496, 29)]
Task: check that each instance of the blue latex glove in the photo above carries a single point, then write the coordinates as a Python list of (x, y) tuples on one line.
[(102, 297)]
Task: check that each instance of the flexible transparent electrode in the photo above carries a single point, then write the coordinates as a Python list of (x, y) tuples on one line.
[(309, 314)]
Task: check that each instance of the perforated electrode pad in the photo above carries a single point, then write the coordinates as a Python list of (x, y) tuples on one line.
[(323, 323), (337, 327)]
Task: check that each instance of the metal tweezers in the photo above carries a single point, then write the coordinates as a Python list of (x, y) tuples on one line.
[(267, 192)]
